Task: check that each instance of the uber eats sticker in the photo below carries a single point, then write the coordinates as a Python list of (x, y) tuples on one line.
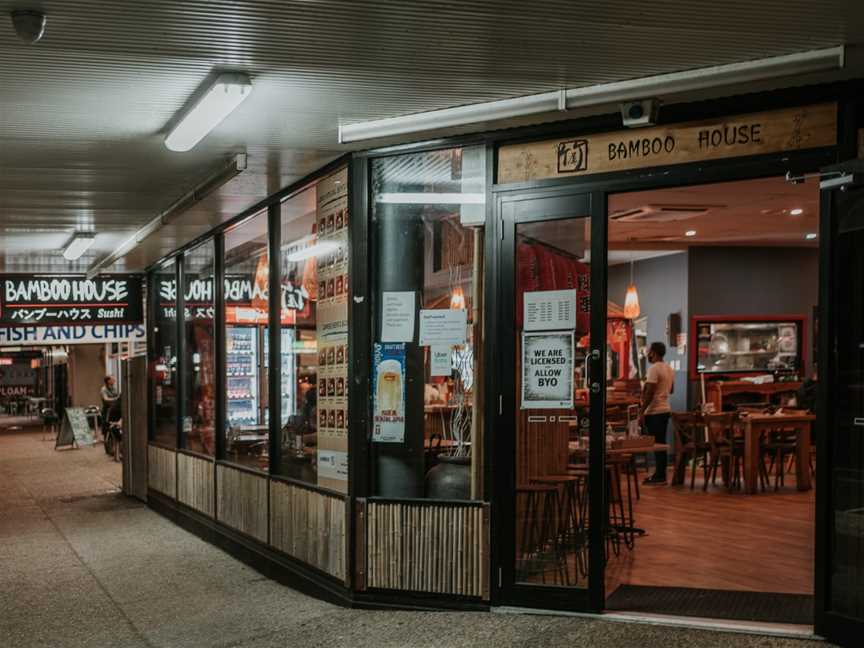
[(547, 370)]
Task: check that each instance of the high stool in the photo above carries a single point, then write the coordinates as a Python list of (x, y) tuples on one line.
[(540, 532)]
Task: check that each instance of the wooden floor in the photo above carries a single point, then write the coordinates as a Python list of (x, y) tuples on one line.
[(721, 540)]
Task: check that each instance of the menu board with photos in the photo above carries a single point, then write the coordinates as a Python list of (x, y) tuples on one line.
[(332, 329)]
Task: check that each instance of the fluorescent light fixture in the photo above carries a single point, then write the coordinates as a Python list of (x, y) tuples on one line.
[(226, 93), (690, 233), (315, 250), (796, 212), (603, 93), (79, 244), (429, 198), (811, 236)]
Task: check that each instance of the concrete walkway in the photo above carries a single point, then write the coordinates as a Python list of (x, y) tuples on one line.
[(81, 565)]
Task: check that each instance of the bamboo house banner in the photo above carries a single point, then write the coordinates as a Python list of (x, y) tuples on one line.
[(790, 129)]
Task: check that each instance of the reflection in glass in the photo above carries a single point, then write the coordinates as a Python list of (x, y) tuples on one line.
[(199, 422), (163, 355)]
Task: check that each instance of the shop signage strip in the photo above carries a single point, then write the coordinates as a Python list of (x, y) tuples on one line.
[(82, 334), (789, 129), (47, 301)]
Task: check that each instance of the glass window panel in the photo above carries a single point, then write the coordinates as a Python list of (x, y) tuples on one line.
[(428, 214), (246, 316), (200, 358), (163, 356)]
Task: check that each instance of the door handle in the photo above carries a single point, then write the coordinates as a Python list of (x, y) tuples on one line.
[(859, 421)]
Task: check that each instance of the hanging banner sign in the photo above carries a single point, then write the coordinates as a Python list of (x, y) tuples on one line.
[(47, 301), (547, 370), (90, 334), (388, 394), (790, 129)]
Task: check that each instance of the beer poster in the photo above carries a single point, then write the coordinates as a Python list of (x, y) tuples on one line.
[(547, 370), (388, 393)]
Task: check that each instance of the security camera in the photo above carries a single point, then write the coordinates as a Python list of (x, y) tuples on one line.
[(29, 25), (636, 114)]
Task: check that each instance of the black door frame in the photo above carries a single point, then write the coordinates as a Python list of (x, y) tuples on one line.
[(833, 626), (599, 187), (513, 208)]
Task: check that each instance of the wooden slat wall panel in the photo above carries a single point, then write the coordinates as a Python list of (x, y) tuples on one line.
[(162, 470), (439, 549), (309, 526), (195, 483), (242, 501)]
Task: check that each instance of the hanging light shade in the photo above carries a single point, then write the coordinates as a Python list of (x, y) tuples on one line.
[(631, 302), (631, 299), (457, 299)]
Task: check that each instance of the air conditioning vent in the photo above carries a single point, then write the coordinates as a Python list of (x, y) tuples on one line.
[(662, 213)]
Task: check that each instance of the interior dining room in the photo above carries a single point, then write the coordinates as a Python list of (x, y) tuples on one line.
[(718, 284), (725, 277)]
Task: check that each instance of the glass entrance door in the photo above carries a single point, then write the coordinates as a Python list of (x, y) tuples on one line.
[(840, 580), (552, 386)]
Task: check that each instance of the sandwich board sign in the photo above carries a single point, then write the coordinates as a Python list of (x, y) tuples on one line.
[(74, 429)]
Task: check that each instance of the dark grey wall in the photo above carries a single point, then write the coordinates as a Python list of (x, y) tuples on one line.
[(756, 281), (662, 287)]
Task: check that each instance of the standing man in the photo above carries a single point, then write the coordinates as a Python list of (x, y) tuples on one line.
[(109, 395), (655, 410)]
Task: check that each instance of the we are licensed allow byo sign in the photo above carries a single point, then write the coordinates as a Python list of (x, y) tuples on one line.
[(547, 370)]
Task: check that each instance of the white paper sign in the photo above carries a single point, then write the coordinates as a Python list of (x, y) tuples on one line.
[(440, 359), (333, 464), (397, 316), (550, 310), (443, 326), (547, 370)]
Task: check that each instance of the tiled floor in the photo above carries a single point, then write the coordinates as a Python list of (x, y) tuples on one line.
[(83, 566)]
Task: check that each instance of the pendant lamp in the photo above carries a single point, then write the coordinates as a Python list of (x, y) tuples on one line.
[(631, 299)]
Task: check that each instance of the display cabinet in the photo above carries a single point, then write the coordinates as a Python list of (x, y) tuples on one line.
[(748, 345)]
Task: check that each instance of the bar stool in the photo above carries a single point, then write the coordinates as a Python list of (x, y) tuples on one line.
[(567, 534), (539, 531)]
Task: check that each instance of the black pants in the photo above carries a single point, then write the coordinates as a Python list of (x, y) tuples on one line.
[(657, 425)]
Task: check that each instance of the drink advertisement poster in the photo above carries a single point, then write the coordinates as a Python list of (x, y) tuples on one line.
[(389, 393), (547, 370)]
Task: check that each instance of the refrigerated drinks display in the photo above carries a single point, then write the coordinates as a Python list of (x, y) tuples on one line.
[(289, 372), (241, 367)]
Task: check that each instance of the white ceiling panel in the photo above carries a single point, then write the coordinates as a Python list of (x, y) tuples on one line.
[(83, 113)]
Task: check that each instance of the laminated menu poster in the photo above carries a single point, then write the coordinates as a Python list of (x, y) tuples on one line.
[(327, 279), (388, 395), (547, 370)]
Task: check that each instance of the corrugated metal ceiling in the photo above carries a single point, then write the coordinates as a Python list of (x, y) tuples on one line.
[(83, 113)]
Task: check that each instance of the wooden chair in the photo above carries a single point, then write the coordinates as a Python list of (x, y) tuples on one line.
[(724, 449), (691, 443), (782, 443)]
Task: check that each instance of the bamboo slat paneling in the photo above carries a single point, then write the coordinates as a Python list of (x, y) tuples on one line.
[(195, 483), (162, 470), (309, 526), (242, 501), (434, 548)]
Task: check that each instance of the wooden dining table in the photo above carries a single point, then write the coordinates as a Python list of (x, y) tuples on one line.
[(756, 425)]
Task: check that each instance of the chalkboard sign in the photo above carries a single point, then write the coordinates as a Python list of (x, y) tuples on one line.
[(75, 430)]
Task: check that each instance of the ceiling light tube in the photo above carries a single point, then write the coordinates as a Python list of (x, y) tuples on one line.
[(224, 95), (318, 249), (604, 93), (79, 244)]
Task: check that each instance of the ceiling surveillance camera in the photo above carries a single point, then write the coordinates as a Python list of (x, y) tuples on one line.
[(29, 25), (636, 114)]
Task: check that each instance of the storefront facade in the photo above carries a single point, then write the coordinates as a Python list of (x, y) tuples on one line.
[(394, 467)]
